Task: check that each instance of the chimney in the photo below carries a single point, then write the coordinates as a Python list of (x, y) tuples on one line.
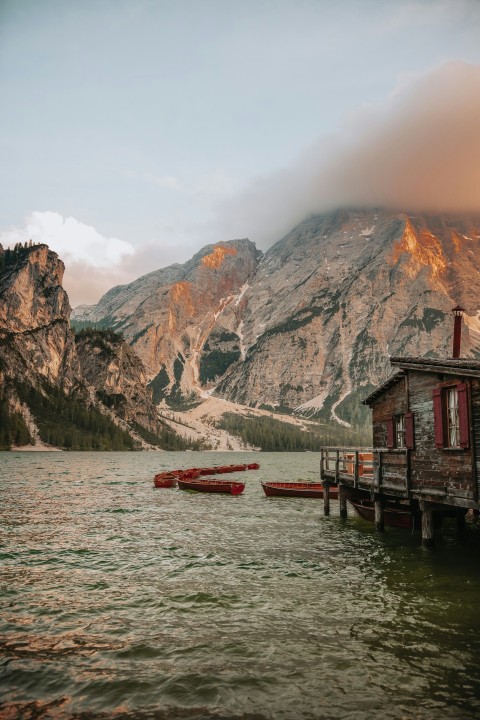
[(457, 330)]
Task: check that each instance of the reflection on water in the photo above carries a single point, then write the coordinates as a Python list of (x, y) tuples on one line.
[(128, 601)]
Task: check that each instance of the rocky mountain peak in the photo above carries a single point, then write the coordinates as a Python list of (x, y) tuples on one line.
[(309, 326), (96, 381), (168, 315)]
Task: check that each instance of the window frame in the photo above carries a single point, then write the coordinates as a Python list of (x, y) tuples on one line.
[(452, 417), (399, 431), (444, 412)]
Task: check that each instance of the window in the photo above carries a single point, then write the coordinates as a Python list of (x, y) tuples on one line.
[(450, 416), (399, 431), (453, 424)]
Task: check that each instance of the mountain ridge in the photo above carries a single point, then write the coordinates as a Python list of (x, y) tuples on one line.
[(311, 325)]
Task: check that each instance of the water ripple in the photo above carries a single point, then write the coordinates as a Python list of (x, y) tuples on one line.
[(128, 602)]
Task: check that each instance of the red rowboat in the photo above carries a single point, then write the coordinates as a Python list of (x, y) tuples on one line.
[(393, 516), (212, 485), (193, 473), (297, 489), (230, 468), (165, 480)]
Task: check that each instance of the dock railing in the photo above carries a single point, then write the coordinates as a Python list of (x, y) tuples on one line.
[(367, 468)]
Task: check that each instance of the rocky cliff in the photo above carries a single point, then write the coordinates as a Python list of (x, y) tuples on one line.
[(109, 365), (350, 289), (44, 372), (35, 337), (183, 321), (308, 327)]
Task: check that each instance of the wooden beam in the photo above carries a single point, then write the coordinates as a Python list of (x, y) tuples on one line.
[(427, 528), (326, 498), (379, 472), (342, 497), (445, 369)]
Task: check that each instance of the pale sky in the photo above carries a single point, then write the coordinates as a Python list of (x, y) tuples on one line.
[(135, 131)]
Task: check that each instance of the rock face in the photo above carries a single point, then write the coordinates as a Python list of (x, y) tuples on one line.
[(182, 320), (110, 366), (38, 348), (351, 289), (310, 325), (35, 336)]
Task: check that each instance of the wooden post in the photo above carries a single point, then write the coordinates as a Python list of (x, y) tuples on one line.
[(408, 472), (337, 465), (379, 471), (427, 528), (342, 497), (355, 470), (379, 521), (326, 498), (321, 464)]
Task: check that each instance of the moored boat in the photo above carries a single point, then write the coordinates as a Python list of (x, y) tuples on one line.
[(297, 489), (212, 485), (392, 516), (194, 473), (230, 468), (165, 480)]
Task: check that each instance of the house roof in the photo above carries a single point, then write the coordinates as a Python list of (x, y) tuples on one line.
[(447, 366), (384, 386)]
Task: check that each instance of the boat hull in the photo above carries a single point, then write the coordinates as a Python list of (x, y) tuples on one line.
[(195, 473), (212, 486), (393, 517), (296, 489), (165, 480)]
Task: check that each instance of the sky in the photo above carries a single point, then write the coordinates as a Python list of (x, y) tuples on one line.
[(134, 132)]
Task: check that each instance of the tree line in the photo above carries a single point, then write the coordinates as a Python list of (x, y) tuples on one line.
[(272, 435), (20, 250), (70, 423)]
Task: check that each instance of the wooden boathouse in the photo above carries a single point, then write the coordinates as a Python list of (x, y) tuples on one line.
[(425, 458)]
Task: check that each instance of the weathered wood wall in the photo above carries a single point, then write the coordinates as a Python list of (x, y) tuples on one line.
[(431, 467), (476, 426), (391, 402)]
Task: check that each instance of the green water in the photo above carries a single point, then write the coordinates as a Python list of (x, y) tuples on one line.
[(121, 600)]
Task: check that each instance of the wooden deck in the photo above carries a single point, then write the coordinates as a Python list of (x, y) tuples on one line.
[(388, 472), (367, 469), (385, 476)]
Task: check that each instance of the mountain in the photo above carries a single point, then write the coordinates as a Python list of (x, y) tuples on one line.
[(81, 392), (309, 326), (182, 321)]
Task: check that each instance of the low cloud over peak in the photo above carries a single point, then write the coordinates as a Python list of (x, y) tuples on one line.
[(419, 151)]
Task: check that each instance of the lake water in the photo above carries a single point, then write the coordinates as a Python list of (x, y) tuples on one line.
[(121, 600)]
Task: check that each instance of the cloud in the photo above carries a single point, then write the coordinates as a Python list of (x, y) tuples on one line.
[(419, 151), (93, 262), (69, 238)]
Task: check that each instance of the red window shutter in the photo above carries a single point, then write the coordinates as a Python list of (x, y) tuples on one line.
[(463, 415), (438, 418), (409, 434), (390, 433)]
